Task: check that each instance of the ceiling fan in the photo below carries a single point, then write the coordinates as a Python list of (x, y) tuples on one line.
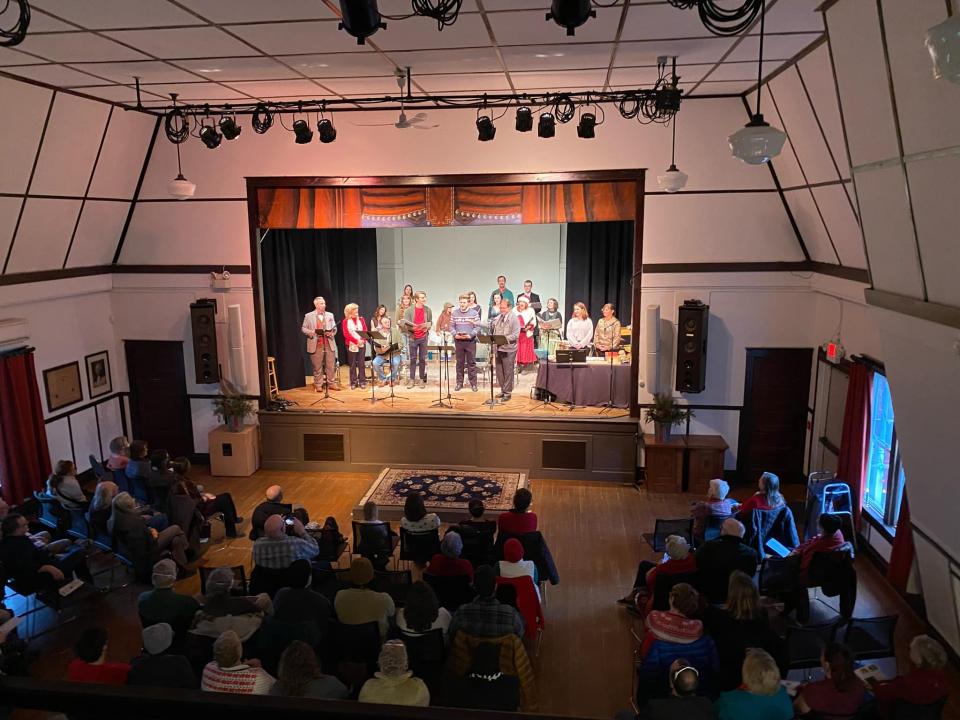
[(404, 121)]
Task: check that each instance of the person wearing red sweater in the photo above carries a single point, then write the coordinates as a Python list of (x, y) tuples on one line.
[(767, 497), (352, 325), (518, 520), (90, 665), (448, 562), (639, 600), (828, 540), (926, 684)]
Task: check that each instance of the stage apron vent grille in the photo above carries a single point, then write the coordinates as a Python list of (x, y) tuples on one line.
[(564, 454), (323, 448)]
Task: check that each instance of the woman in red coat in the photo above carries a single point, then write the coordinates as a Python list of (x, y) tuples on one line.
[(352, 324)]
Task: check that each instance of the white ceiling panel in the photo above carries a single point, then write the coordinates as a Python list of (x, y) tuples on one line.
[(106, 14), (723, 87), (647, 76), (123, 153), (800, 123), (149, 71), (39, 21), (70, 146), (936, 204), (361, 86), (566, 78), (838, 214), (421, 34), (199, 42), (301, 38), (646, 22), (560, 57), (239, 68), (9, 210), (116, 93), (267, 88), (98, 233), (496, 5), (43, 235), (530, 27), (11, 56), (793, 16), (78, 47), (21, 132), (817, 75), (475, 82), (54, 74), (340, 64), (234, 11), (775, 47), (196, 91), (699, 50), (811, 227), (741, 71), (481, 59)]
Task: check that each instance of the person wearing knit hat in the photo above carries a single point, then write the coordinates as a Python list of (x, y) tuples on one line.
[(513, 565), (359, 604), (155, 667), (448, 562), (678, 561), (162, 604), (394, 683)]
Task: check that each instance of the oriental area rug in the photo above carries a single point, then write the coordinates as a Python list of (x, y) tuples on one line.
[(446, 491)]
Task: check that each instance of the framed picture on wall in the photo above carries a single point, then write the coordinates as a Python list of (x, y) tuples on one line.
[(99, 381), (62, 384)]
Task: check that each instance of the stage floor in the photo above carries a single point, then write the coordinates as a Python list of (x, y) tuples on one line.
[(421, 399)]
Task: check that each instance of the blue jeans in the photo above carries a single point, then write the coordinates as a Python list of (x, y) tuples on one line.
[(380, 360)]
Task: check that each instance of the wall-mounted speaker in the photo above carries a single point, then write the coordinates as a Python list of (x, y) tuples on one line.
[(238, 367), (651, 355), (203, 322), (692, 346)]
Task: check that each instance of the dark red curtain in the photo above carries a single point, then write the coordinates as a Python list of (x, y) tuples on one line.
[(24, 458), (856, 434), (901, 557)]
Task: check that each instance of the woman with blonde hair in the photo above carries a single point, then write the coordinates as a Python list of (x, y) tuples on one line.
[(352, 325), (63, 485), (925, 684), (762, 697), (767, 497), (580, 327), (606, 337)]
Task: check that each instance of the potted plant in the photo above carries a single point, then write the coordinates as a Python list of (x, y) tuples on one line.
[(232, 408), (664, 414)]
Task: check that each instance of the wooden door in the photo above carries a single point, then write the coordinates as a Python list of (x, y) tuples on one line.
[(159, 406), (773, 423)]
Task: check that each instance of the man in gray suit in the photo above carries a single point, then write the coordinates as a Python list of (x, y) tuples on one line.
[(320, 329), (507, 324)]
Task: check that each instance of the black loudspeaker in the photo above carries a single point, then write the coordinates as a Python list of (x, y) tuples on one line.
[(692, 346), (203, 321)]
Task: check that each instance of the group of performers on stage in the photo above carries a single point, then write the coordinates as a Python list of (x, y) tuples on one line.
[(407, 334)]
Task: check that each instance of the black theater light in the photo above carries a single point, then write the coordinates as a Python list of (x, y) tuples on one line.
[(302, 132), (586, 126), (361, 18), (570, 14), (229, 127), (210, 137), (546, 126), (524, 119), (486, 130), (328, 133)]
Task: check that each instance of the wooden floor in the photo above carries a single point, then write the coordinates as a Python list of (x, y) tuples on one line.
[(594, 531)]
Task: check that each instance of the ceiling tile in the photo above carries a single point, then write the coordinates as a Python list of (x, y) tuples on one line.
[(150, 71), (232, 11), (43, 235), (775, 47), (479, 59), (78, 47), (558, 57), (647, 22), (793, 16), (116, 93), (9, 57), (640, 76), (530, 27), (699, 50), (399, 8), (202, 42), (719, 88), (493, 82), (421, 33), (741, 70), (300, 37), (340, 64), (105, 14), (58, 75), (241, 68), (39, 21), (264, 88), (495, 5), (362, 86), (592, 79), (196, 92)]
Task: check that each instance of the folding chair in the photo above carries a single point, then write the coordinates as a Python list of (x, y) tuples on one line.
[(871, 638), (662, 529)]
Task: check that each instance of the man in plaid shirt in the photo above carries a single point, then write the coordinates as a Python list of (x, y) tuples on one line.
[(486, 616), (277, 550)]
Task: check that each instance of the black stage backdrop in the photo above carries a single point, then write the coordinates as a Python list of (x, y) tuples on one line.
[(299, 265), (599, 267)]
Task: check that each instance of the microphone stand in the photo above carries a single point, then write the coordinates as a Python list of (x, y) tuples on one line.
[(326, 380), (370, 337), (546, 390), (608, 405), (393, 382)]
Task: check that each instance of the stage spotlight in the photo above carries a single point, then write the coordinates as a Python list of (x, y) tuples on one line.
[(524, 119), (547, 126), (570, 14), (361, 18), (586, 126), (485, 128), (302, 132), (210, 137), (328, 133), (229, 128)]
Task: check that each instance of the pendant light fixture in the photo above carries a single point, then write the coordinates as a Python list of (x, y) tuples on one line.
[(758, 142), (180, 187), (943, 44), (673, 179)]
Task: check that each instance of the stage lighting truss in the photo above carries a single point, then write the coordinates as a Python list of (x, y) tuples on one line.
[(660, 105), (721, 19)]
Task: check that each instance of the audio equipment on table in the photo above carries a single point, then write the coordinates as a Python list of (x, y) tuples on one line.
[(203, 323), (572, 355), (692, 346)]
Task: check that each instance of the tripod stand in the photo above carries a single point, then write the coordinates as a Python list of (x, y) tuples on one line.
[(547, 402), (326, 380), (608, 405)]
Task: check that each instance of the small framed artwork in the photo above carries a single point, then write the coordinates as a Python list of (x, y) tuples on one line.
[(99, 381), (62, 384)]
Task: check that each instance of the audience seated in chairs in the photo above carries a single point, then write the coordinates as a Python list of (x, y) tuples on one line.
[(141, 543), (90, 662), (163, 604), (673, 634), (827, 540), (742, 623), (761, 697), (519, 519), (273, 505), (63, 485), (209, 504), (485, 686), (35, 569), (220, 611), (513, 662), (415, 518), (513, 565), (718, 559), (229, 673), (375, 540), (840, 694), (277, 549), (767, 497), (359, 604), (486, 616), (447, 562), (681, 562), (299, 675), (684, 702), (925, 684), (299, 603), (119, 454), (717, 505), (394, 683), (476, 510), (155, 667), (161, 480), (42, 539), (422, 612), (138, 471)]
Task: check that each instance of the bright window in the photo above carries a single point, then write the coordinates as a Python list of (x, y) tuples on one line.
[(884, 474)]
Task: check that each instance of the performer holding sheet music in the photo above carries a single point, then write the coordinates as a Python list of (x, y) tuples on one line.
[(507, 323), (356, 345), (464, 323), (418, 318), (320, 329), (388, 351)]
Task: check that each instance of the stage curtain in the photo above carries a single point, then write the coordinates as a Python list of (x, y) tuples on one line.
[(901, 556), (299, 265), (855, 437), (24, 457), (599, 267)]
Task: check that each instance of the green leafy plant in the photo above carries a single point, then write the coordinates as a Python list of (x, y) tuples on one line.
[(666, 411), (230, 407)]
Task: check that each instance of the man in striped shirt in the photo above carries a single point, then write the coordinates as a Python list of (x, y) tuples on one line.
[(228, 673), (464, 323)]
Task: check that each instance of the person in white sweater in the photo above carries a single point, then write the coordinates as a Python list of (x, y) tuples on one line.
[(580, 327)]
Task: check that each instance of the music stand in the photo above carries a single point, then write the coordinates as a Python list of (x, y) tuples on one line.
[(608, 405), (446, 351), (546, 391), (326, 380), (392, 396), (370, 337), (494, 341)]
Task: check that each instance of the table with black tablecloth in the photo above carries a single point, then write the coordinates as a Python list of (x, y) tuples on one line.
[(590, 380)]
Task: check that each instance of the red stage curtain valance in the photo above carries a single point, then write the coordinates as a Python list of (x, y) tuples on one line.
[(24, 457)]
